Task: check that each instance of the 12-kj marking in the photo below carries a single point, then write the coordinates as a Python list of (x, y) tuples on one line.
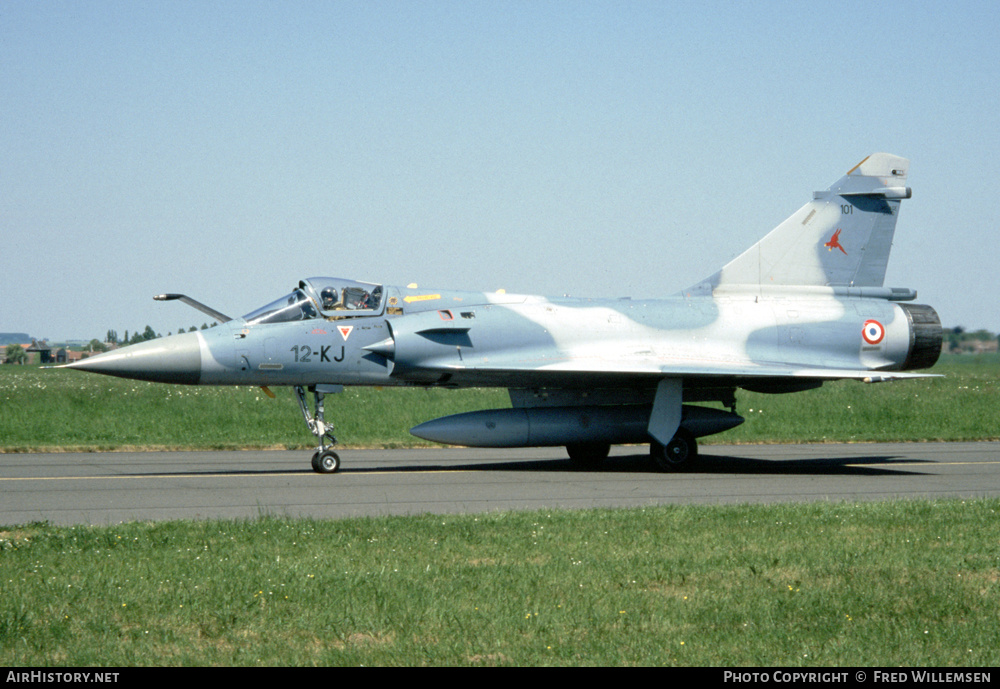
[(304, 354)]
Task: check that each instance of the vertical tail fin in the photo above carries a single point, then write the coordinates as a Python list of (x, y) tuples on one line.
[(840, 238)]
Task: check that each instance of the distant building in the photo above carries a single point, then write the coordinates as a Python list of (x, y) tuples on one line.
[(972, 347), (68, 356), (39, 352)]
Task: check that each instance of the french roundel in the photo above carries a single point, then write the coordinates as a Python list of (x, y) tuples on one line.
[(873, 332)]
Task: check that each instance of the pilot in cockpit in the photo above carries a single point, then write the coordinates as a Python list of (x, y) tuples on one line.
[(329, 298)]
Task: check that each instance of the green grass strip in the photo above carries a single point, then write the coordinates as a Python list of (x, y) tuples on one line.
[(912, 583)]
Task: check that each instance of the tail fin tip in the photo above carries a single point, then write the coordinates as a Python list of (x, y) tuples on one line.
[(882, 165)]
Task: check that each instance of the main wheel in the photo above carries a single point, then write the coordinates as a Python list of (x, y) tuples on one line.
[(677, 455), (326, 462), (588, 455)]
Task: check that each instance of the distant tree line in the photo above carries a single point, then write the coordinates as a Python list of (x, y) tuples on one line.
[(958, 339), (148, 334)]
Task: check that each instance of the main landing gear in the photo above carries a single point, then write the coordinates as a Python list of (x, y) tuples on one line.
[(324, 460), (680, 454), (677, 455)]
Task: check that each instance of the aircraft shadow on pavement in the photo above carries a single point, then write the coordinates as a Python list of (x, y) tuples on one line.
[(864, 465)]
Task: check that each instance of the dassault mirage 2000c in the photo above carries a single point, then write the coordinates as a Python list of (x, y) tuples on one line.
[(802, 306)]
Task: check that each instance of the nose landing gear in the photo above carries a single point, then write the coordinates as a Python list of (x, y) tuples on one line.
[(324, 460)]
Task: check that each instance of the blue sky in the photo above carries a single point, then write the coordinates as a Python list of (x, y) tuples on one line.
[(228, 149)]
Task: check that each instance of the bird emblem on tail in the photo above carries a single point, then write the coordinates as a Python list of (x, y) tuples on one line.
[(834, 243)]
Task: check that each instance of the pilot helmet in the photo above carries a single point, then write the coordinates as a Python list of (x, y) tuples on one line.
[(328, 297)]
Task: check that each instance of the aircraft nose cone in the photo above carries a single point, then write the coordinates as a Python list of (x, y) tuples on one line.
[(172, 359)]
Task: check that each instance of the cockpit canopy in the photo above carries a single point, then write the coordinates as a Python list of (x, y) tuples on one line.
[(322, 297)]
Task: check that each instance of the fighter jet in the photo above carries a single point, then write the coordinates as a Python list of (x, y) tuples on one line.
[(804, 305)]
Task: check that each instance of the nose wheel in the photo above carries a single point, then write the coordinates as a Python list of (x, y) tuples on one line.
[(324, 460)]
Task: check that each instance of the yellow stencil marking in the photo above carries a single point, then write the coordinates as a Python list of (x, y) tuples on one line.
[(421, 297)]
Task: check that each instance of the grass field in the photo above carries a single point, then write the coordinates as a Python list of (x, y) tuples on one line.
[(902, 583), (68, 410)]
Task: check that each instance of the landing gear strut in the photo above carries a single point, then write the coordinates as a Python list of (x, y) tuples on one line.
[(324, 460)]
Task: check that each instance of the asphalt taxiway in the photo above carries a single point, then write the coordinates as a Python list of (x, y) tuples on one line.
[(112, 487)]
